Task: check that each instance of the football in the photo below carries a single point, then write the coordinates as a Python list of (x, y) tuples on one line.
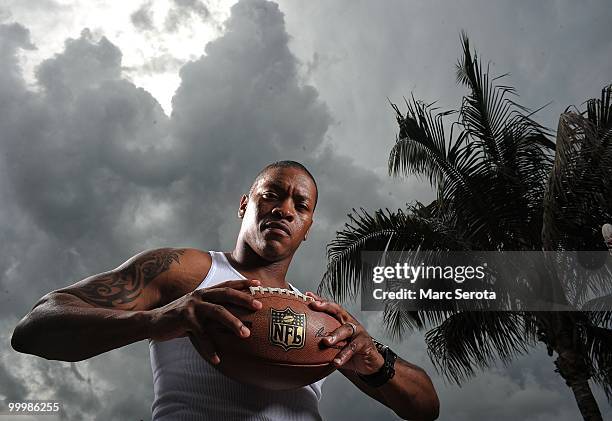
[(284, 350)]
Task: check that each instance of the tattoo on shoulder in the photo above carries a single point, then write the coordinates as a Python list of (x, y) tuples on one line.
[(124, 286)]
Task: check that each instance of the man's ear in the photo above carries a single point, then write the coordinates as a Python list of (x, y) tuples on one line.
[(243, 204), (306, 235)]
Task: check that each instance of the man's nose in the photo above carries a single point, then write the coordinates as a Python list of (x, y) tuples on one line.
[(284, 209)]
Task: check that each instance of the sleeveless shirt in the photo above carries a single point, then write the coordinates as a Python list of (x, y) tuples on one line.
[(187, 388)]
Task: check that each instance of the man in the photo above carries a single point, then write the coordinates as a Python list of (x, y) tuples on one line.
[(170, 296), (606, 231)]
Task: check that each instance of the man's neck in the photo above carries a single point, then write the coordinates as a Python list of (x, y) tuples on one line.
[(252, 266)]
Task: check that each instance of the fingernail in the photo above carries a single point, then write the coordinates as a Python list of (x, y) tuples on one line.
[(215, 359), (330, 339), (244, 331), (257, 304), (337, 361)]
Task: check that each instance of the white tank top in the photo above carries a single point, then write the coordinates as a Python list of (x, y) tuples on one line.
[(187, 388)]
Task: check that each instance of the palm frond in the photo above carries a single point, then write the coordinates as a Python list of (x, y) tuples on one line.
[(598, 343), (577, 200), (394, 231), (599, 113), (420, 147), (514, 149), (600, 318), (501, 184), (468, 341)]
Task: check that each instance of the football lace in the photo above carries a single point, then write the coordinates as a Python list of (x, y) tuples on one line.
[(281, 291)]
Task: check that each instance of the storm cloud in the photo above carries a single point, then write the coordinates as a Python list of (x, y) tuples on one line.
[(184, 10), (93, 171)]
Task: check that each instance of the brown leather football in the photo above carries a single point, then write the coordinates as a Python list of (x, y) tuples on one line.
[(284, 350)]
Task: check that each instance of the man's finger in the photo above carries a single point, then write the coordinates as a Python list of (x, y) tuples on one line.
[(328, 307), (238, 284), (344, 332), (346, 354), (204, 347), (315, 296), (200, 340), (219, 314), (227, 295)]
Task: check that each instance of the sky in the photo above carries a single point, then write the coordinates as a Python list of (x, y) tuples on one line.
[(133, 125)]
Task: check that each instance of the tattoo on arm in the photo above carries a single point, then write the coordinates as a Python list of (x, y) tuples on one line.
[(126, 285)]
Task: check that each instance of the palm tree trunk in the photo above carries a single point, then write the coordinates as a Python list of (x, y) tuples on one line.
[(575, 373), (560, 336)]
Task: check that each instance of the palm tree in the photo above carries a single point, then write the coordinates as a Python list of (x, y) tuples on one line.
[(501, 184)]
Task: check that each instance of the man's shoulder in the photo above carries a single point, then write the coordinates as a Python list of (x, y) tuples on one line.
[(189, 267), (179, 258), (193, 262), (194, 256)]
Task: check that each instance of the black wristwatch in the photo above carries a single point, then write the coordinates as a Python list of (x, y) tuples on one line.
[(386, 372)]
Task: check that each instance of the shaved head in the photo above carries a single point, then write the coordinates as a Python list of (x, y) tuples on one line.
[(285, 164)]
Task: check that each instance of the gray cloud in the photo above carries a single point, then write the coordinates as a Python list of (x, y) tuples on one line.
[(92, 170), (14, 37), (142, 18), (180, 13), (184, 10), (11, 387), (39, 12), (554, 51), (4, 14), (159, 64)]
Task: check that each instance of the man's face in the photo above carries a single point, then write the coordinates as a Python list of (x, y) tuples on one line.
[(278, 214)]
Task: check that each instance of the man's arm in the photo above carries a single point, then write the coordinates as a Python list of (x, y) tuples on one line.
[(138, 283), (105, 311), (63, 327), (409, 393), (126, 305)]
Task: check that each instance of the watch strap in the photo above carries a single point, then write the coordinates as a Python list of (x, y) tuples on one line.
[(386, 372)]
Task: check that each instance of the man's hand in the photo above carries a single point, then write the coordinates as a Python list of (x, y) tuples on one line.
[(410, 393), (191, 314), (360, 353)]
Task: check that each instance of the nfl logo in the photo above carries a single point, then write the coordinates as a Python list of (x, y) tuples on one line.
[(287, 328)]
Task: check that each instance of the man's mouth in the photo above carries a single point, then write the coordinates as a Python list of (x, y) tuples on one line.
[(278, 227)]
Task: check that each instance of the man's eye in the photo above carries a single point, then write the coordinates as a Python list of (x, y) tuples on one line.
[(268, 195)]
